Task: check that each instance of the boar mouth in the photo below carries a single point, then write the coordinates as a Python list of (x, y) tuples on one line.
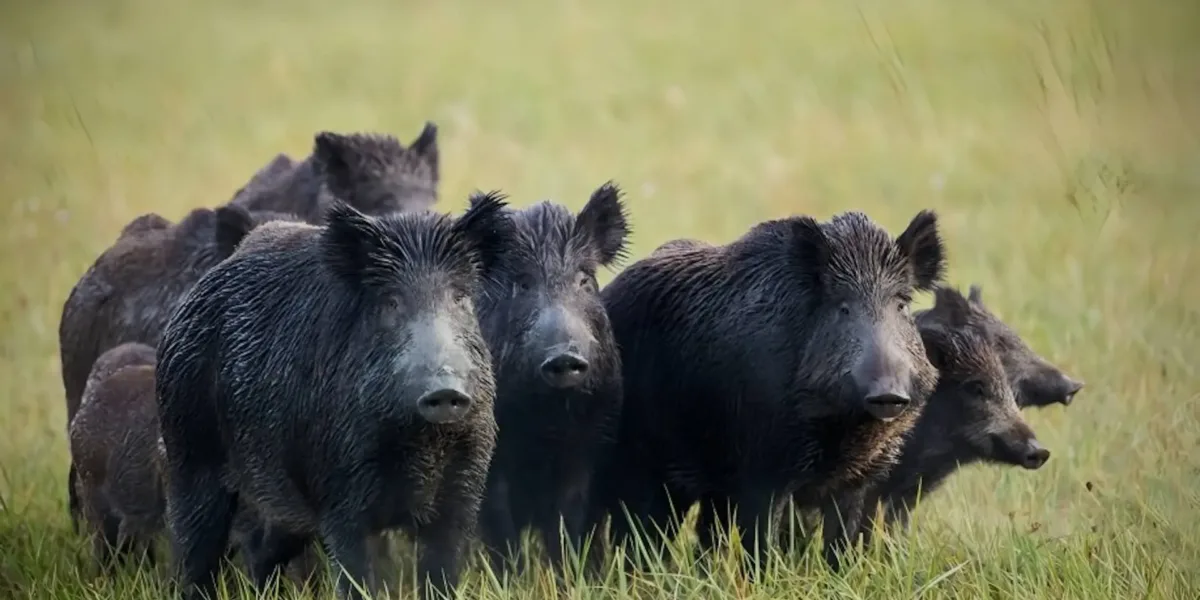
[(886, 407)]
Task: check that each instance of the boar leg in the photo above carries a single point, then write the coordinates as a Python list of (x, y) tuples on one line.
[(271, 552), (347, 544), (445, 539), (201, 515), (500, 534), (842, 513)]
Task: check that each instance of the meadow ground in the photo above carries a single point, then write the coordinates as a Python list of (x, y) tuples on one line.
[(1060, 141)]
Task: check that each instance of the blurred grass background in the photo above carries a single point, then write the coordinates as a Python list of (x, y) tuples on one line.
[(1060, 142)]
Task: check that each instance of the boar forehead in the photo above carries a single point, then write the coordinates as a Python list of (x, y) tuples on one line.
[(864, 261), (547, 244)]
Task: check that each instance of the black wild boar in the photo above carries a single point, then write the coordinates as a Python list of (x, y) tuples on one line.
[(558, 376), (972, 415), (1035, 381), (337, 383), (112, 440), (786, 361), (374, 173), (129, 292)]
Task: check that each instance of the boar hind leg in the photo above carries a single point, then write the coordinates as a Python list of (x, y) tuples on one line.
[(201, 515)]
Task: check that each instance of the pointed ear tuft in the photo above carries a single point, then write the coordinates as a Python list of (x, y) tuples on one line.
[(975, 294), (348, 242), (939, 345), (605, 223), (487, 227), (923, 246), (810, 250), (426, 147), (951, 308), (232, 224)]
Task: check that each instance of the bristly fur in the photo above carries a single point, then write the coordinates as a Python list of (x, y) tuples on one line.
[(605, 213), (922, 241), (129, 292), (351, 363), (372, 172), (972, 415), (754, 345), (1035, 380), (543, 303), (378, 251)]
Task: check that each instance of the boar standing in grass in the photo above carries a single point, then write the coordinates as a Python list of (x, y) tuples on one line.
[(113, 438), (558, 376), (1035, 381), (129, 292), (786, 361), (374, 173), (336, 381), (972, 415)]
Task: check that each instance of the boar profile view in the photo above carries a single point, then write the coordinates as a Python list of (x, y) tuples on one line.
[(786, 362)]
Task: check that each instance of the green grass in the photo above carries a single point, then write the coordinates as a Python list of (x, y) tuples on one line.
[(1060, 142)]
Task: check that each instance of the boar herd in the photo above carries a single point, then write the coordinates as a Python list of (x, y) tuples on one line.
[(326, 358)]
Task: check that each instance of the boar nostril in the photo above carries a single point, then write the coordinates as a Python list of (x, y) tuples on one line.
[(565, 370), (1036, 457), (443, 405)]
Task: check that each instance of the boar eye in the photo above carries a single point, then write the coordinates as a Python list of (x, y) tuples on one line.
[(523, 283), (975, 387), (844, 309), (585, 280)]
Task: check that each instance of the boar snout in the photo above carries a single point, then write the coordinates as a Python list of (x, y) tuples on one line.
[(1035, 455), (1072, 388), (881, 377), (444, 403), (1020, 447), (565, 369)]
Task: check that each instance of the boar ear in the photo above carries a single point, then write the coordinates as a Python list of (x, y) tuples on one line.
[(426, 147), (350, 243), (487, 226), (604, 222), (951, 308), (810, 248), (975, 294), (922, 245), (336, 158), (233, 223), (939, 346)]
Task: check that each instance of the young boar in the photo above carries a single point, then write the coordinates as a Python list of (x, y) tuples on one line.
[(786, 361), (972, 415), (112, 441), (130, 290), (337, 383), (374, 173), (558, 375), (1035, 381)]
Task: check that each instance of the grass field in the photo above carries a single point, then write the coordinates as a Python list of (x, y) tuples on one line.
[(1060, 142)]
